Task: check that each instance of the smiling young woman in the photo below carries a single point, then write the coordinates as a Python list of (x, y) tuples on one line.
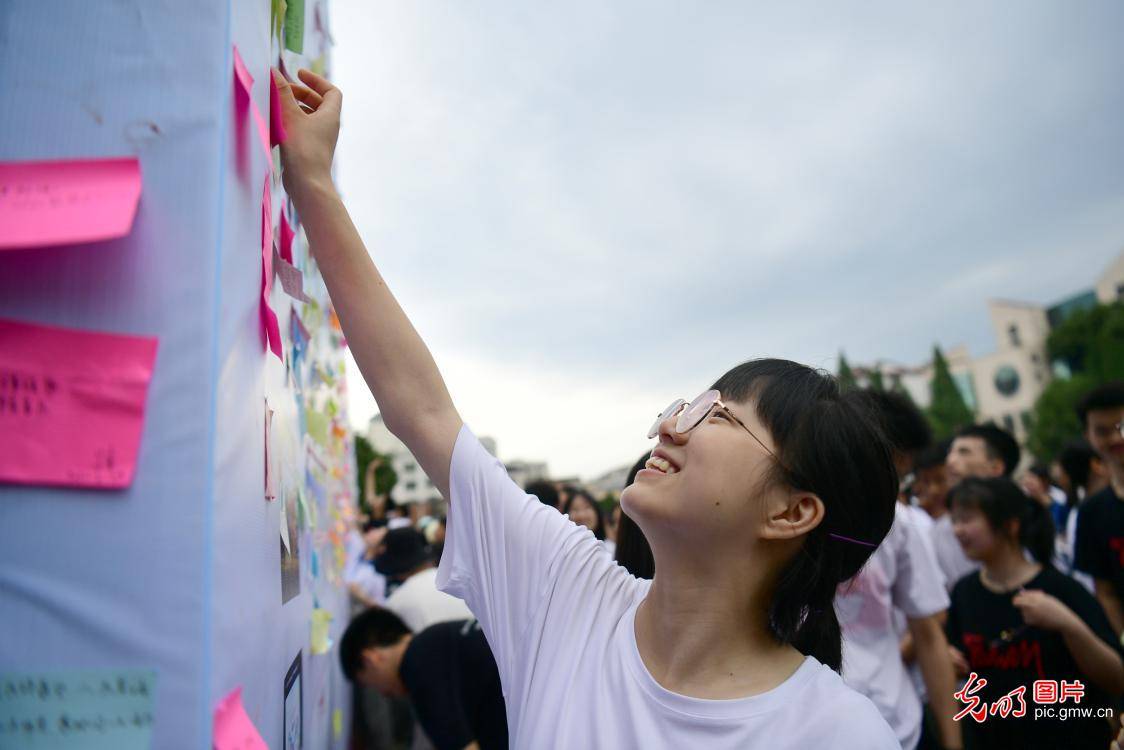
[(763, 495)]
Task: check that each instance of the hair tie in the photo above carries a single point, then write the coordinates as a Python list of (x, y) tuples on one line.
[(842, 538)]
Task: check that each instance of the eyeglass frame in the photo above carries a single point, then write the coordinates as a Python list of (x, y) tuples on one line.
[(678, 409)]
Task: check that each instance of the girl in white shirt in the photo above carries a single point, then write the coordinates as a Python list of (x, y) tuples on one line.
[(761, 496)]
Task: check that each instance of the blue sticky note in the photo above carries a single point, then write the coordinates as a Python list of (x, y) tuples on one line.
[(106, 709)]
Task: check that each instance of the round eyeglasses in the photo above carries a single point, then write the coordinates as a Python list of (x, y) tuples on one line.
[(692, 414)]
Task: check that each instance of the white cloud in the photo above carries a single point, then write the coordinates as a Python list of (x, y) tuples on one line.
[(622, 200)]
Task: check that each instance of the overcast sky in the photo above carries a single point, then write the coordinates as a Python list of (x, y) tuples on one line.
[(589, 209)]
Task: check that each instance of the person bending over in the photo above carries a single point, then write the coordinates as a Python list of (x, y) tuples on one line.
[(446, 671)]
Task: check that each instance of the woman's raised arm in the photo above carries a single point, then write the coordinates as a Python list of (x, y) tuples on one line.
[(412, 397)]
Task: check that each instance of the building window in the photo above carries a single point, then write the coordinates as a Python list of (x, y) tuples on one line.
[(1013, 335), (1009, 423), (411, 485), (1007, 380), (409, 467)]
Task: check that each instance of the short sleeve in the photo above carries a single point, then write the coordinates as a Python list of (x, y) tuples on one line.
[(1085, 606), (500, 548), (919, 586), (1088, 551)]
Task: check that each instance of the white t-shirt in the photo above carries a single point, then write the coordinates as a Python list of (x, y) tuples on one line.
[(950, 555), (359, 571), (558, 613), (901, 574), (420, 604), (923, 523)]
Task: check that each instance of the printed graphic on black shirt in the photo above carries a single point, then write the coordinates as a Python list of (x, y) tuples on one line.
[(1099, 546), (1008, 702)]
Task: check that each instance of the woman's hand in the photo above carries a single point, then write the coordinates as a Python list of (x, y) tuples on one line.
[(959, 663), (311, 115), (1043, 610)]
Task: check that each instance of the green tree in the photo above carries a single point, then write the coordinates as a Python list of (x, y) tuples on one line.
[(947, 411), (1090, 343), (898, 387), (876, 383), (385, 476), (1054, 420), (845, 376)]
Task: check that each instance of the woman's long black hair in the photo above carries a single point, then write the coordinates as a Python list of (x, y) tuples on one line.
[(830, 443)]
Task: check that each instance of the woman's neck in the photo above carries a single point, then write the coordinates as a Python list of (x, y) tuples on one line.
[(707, 636), (1008, 570)]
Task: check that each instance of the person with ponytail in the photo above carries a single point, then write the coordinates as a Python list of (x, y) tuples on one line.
[(761, 496), (1018, 620)]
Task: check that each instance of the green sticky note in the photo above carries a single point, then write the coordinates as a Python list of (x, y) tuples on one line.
[(276, 16), (294, 26), (105, 709), (317, 424)]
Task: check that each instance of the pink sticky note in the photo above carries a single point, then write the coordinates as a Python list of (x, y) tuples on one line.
[(71, 405), (243, 79), (287, 235), (277, 134), (243, 92), (67, 202), (292, 280), (233, 729), (269, 318)]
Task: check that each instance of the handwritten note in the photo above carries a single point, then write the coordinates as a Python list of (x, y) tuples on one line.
[(321, 619), (294, 26), (44, 203), (71, 405), (233, 729), (270, 325), (79, 710), (292, 280)]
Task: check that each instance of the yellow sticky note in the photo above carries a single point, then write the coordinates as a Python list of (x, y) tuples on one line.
[(320, 641), (337, 723)]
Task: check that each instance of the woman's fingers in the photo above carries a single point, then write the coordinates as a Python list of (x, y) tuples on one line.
[(285, 92), (305, 95), (322, 86)]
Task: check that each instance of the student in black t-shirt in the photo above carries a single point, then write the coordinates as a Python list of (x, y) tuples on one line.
[(1099, 546), (447, 671), (1018, 621)]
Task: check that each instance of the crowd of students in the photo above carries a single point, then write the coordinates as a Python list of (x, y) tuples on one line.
[(794, 565)]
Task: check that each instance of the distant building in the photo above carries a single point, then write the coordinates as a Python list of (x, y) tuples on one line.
[(414, 486), (525, 472), (611, 481), (1003, 386)]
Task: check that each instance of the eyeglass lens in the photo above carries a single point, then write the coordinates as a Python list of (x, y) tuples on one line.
[(666, 414)]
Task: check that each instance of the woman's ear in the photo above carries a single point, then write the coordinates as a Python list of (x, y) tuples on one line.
[(792, 515)]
